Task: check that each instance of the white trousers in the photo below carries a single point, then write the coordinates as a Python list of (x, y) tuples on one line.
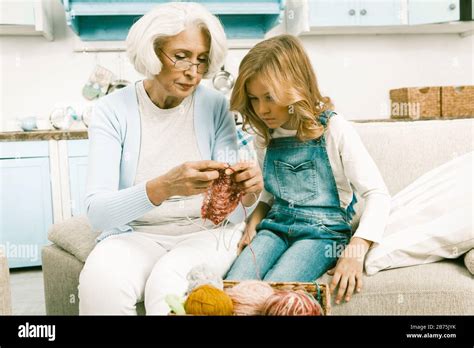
[(128, 268)]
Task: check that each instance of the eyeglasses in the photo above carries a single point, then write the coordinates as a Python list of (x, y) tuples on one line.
[(184, 65)]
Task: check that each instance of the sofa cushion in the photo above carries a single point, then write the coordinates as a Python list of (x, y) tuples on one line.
[(74, 235), (429, 219), (440, 288), (469, 261)]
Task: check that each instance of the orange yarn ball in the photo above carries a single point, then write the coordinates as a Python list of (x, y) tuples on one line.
[(287, 302), (208, 300)]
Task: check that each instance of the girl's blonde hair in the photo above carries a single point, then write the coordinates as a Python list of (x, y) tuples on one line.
[(282, 64)]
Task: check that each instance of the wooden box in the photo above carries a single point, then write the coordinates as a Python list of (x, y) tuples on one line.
[(415, 102), (457, 101)]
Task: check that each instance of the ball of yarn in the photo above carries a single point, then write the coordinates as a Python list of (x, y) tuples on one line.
[(249, 296), (287, 302), (176, 304), (208, 300), (201, 275)]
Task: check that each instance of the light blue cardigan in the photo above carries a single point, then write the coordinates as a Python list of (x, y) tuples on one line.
[(112, 201)]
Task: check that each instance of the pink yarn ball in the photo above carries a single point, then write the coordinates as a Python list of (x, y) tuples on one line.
[(249, 296), (287, 302)]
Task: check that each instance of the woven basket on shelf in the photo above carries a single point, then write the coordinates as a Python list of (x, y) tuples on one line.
[(457, 101), (320, 291), (415, 103)]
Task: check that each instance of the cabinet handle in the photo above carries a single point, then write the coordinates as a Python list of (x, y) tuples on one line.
[(452, 6), (352, 12), (363, 12)]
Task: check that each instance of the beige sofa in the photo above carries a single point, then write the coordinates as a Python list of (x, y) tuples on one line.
[(5, 291), (403, 151)]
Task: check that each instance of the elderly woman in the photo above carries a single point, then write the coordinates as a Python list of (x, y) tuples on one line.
[(154, 148)]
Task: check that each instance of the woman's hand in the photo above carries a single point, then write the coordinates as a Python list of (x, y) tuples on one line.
[(348, 271), (187, 179), (249, 177), (247, 237)]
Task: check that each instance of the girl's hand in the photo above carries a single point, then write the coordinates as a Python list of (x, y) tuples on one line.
[(249, 177), (348, 271), (247, 237)]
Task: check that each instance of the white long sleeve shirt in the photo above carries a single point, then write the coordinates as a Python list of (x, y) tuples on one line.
[(353, 168)]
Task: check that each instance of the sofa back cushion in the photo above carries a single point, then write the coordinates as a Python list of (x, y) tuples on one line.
[(405, 150)]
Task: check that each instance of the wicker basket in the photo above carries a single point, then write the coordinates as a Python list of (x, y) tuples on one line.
[(320, 291), (457, 101), (415, 103)]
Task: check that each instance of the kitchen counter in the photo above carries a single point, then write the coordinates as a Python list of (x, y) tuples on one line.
[(82, 133), (44, 135)]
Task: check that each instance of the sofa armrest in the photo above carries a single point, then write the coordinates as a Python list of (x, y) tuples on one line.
[(469, 261), (75, 235), (5, 293)]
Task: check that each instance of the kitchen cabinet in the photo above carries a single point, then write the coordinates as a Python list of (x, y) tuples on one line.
[(25, 202), (105, 20), (41, 183), (343, 17), (26, 17), (331, 13), (77, 158), (353, 13), (381, 13), (438, 11)]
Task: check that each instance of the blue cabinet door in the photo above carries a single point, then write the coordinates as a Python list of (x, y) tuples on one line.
[(330, 13), (77, 181), (77, 158), (433, 11), (376, 12), (338, 13), (26, 211)]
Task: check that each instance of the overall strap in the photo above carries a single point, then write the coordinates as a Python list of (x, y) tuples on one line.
[(325, 116)]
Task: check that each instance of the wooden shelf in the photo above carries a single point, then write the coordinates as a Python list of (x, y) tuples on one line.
[(38, 135)]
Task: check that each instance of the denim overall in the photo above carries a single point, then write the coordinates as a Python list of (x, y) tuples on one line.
[(306, 229)]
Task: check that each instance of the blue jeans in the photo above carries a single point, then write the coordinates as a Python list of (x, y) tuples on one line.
[(306, 229), (302, 254)]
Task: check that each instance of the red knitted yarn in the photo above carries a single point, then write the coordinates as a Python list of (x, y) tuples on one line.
[(287, 302), (220, 199)]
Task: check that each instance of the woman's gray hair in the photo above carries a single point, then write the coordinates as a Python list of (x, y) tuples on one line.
[(167, 20)]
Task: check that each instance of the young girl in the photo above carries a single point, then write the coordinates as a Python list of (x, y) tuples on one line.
[(314, 161)]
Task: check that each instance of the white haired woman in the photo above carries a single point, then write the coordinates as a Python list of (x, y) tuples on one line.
[(155, 147)]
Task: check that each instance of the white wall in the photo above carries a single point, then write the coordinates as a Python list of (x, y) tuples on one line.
[(356, 71)]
